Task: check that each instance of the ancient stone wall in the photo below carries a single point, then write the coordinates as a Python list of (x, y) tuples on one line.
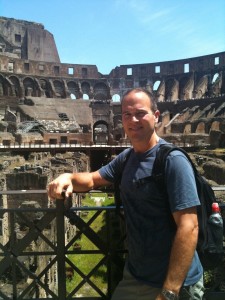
[(27, 40), (28, 50), (195, 84), (67, 138)]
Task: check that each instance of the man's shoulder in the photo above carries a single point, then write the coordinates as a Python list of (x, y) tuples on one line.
[(171, 149)]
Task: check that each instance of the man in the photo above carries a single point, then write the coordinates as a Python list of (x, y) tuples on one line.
[(162, 230)]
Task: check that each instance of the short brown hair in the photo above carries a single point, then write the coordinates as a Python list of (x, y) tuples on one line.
[(148, 93)]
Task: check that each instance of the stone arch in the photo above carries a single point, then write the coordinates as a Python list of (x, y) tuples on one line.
[(160, 91), (215, 77), (156, 85), (187, 128), (116, 98), (201, 87), (29, 86), (101, 91), (200, 128), (2, 86), (73, 89), (215, 126), (186, 86), (85, 88), (86, 97), (59, 89), (101, 132), (46, 88), (118, 131), (171, 90), (6, 87), (215, 88), (16, 89)]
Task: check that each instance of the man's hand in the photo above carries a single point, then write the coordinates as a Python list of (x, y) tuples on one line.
[(59, 186)]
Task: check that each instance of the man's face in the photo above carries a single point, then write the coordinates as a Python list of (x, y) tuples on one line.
[(138, 118)]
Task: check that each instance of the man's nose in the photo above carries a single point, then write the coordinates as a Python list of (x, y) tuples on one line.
[(134, 118)]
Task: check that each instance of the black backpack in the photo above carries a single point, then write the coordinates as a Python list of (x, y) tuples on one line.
[(210, 239)]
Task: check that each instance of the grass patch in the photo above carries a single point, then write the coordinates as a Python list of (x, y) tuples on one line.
[(88, 261)]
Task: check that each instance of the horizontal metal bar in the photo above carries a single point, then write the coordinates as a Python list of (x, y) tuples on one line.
[(41, 253), (19, 192), (106, 190), (50, 210)]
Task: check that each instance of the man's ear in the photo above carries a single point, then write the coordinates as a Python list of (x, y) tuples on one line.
[(157, 114)]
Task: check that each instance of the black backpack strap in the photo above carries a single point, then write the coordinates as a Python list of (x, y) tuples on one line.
[(163, 151), (158, 170), (117, 198)]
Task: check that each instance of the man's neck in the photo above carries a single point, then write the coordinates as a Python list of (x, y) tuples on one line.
[(142, 147)]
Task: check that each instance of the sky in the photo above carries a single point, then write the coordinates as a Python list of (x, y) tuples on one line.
[(110, 33)]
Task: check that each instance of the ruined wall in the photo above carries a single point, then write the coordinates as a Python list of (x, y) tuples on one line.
[(64, 80), (27, 50), (27, 40), (30, 68), (67, 138)]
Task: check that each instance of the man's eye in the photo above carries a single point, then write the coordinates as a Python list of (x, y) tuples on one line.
[(140, 114), (127, 115)]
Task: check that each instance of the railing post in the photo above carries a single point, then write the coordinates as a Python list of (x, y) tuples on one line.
[(60, 225)]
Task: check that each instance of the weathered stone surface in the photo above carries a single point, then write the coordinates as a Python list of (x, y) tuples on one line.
[(36, 87), (215, 171)]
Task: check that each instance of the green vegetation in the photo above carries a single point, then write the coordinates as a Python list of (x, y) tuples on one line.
[(88, 256)]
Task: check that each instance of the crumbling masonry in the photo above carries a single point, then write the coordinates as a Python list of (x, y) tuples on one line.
[(67, 103)]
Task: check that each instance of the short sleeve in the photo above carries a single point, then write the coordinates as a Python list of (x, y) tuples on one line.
[(180, 182)]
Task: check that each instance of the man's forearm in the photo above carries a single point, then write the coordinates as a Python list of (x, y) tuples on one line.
[(75, 182), (82, 182)]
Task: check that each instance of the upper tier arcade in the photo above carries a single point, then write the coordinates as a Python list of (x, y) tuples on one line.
[(30, 66)]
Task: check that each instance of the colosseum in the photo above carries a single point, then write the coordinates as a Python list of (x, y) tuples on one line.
[(45, 101)]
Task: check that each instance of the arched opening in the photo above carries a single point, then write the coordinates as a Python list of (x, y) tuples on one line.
[(187, 129), (116, 98), (101, 91), (2, 90), (171, 90), (156, 85), (85, 87), (29, 87), (45, 86), (100, 132), (85, 97), (59, 89), (73, 97), (200, 128), (215, 126), (73, 89), (215, 77), (183, 83), (16, 87)]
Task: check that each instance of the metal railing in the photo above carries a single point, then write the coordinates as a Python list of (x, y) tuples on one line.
[(38, 254), (25, 145), (42, 256)]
